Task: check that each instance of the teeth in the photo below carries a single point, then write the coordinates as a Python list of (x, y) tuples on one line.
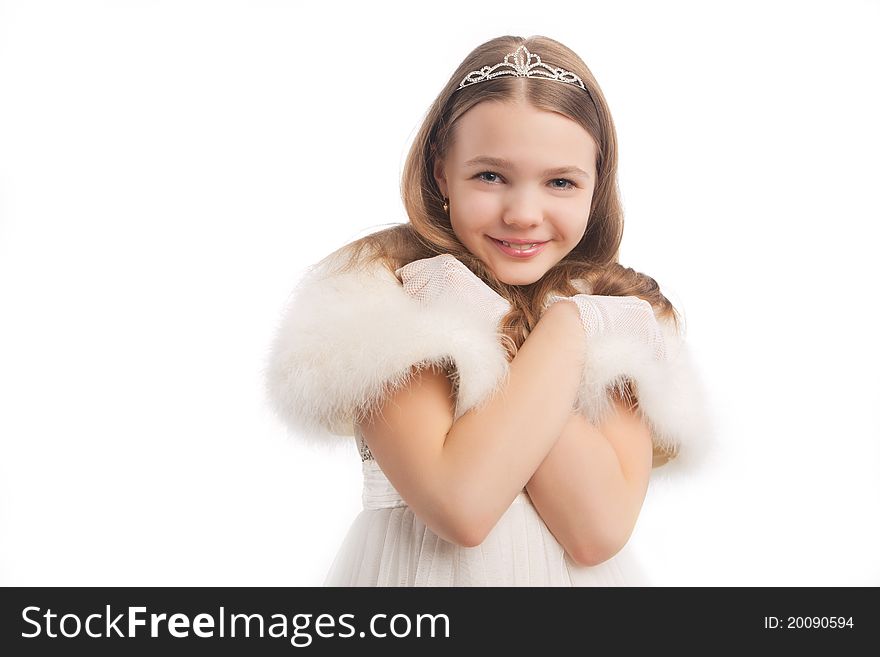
[(520, 247)]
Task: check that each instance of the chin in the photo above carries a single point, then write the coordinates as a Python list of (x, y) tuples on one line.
[(523, 278)]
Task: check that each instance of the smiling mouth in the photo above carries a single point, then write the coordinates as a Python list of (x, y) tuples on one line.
[(519, 251), (519, 246)]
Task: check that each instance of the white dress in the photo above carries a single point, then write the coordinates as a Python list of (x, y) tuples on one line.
[(388, 545)]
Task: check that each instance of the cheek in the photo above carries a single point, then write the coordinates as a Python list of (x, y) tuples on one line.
[(574, 226), (474, 210)]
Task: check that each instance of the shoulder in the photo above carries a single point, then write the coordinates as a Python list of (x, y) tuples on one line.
[(350, 335), (337, 278)]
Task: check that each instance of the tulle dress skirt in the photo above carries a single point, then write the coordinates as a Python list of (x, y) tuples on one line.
[(388, 545)]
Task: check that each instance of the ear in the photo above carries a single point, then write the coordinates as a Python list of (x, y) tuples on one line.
[(440, 176)]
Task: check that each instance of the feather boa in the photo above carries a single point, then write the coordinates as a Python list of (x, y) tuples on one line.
[(346, 340)]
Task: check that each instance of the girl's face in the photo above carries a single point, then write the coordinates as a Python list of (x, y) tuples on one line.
[(518, 174)]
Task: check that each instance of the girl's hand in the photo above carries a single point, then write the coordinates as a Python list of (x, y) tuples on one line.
[(624, 316), (445, 277)]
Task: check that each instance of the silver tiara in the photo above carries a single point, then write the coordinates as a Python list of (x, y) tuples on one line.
[(524, 65)]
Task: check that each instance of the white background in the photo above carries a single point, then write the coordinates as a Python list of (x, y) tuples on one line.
[(168, 170)]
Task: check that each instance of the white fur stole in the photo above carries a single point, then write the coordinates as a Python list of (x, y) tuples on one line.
[(347, 340)]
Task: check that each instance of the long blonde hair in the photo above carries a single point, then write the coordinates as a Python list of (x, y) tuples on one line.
[(429, 231)]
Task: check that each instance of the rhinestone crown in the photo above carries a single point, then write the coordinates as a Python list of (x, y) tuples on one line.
[(524, 65)]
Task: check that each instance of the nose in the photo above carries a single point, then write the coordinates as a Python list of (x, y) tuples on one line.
[(522, 209)]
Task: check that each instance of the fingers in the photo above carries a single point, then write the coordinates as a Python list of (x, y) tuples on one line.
[(417, 267), (622, 315), (429, 277), (445, 276)]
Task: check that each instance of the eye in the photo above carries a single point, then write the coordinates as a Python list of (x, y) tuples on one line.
[(569, 183), (486, 173)]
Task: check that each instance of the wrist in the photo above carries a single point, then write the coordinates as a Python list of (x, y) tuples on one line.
[(564, 317), (563, 306)]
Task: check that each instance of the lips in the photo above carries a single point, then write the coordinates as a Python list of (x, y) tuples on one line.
[(518, 252), (520, 242), (520, 246)]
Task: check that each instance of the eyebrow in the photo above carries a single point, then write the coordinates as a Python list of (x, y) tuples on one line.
[(502, 163)]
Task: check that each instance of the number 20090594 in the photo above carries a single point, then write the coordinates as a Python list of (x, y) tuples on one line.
[(808, 622)]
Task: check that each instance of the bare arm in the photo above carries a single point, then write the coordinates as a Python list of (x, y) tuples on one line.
[(591, 487), (461, 477)]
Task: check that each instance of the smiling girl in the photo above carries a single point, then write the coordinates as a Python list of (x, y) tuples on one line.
[(510, 386)]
